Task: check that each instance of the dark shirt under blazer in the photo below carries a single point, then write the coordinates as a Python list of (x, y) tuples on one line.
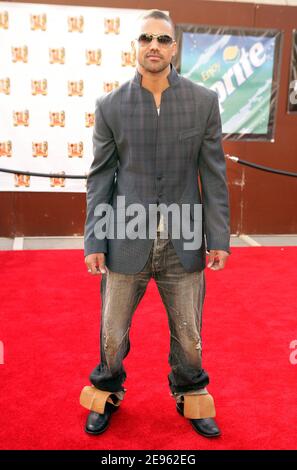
[(151, 159)]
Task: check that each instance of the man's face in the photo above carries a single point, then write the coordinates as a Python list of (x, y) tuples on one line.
[(154, 57)]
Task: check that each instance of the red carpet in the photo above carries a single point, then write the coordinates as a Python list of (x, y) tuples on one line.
[(49, 328)]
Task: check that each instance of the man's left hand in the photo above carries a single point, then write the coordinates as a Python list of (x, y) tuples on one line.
[(217, 259)]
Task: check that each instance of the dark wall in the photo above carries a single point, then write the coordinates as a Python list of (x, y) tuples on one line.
[(260, 202)]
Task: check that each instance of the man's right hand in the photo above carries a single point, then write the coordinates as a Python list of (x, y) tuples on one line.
[(96, 263)]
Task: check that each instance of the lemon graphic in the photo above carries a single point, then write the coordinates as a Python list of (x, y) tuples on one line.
[(231, 53)]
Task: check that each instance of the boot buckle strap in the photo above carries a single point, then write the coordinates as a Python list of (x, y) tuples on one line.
[(95, 400), (199, 406)]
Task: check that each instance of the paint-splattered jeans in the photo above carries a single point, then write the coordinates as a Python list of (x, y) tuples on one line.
[(182, 294)]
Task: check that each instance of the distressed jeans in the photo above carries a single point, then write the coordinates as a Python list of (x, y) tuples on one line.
[(182, 294)]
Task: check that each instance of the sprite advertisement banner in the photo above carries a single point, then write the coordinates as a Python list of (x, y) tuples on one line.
[(242, 67)]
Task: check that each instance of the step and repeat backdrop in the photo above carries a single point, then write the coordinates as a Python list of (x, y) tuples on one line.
[(54, 62)]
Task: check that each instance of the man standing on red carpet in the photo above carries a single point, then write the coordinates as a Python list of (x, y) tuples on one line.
[(155, 138)]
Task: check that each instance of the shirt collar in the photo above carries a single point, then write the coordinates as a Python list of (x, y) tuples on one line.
[(173, 77)]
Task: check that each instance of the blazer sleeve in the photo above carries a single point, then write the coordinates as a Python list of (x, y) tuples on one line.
[(100, 179), (212, 172)]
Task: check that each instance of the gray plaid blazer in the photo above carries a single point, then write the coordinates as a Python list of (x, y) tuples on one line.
[(152, 159)]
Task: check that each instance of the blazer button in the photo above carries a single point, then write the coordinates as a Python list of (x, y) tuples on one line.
[(159, 177)]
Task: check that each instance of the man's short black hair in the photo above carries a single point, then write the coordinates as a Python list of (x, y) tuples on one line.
[(158, 15)]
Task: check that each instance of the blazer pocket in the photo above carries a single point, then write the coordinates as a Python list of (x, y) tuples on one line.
[(189, 143), (187, 133)]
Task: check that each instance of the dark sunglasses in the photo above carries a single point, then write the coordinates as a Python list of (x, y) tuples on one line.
[(163, 39)]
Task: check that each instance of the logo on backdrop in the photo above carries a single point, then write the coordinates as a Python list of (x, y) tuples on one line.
[(38, 22), (5, 148), (21, 180), (93, 57), (112, 25), (4, 19), (21, 118), (40, 149), (75, 24), (57, 119), (57, 181), (39, 87), (57, 56), (128, 58), (109, 86), (89, 119), (75, 149), (19, 54), (5, 86), (75, 88)]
